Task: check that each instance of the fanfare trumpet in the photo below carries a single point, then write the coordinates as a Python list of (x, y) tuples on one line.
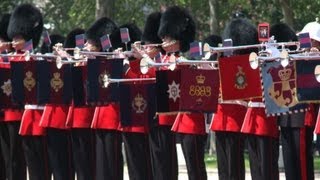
[(207, 48), (146, 62), (106, 80)]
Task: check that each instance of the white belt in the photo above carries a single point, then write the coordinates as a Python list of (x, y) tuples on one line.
[(238, 102), (31, 106), (256, 104)]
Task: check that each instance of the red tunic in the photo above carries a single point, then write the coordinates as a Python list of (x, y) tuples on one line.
[(317, 128), (54, 116), (30, 123), (310, 119), (229, 117), (190, 123), (80, 117), (256, 122), (106, 117)]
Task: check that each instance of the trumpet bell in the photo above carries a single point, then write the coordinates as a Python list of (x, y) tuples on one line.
[(206, 47), (284, 55), (144, 65), (317, 73), (59, 62), (253, 60)]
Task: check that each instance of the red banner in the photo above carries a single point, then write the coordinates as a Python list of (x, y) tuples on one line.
[(199, 90), (238, 80)]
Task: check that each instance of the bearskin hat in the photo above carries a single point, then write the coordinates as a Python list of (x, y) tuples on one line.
[(70, 41), (134, 33), (55, 38), (4, 22), (213, 40), (242, 32), (282, 33), (178, 24), (26, 20), (150, 32), (100, 28)]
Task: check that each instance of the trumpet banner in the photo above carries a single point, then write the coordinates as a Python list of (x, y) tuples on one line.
[(168, 90), (24, 78), (279, 89), (308, 88), (199, 90), (99, 90), (6, 88), (137, 104), (54, 85), (238, 80), (194, 90)]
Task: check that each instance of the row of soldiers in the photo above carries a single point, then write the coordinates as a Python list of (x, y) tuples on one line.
[(65, 140)]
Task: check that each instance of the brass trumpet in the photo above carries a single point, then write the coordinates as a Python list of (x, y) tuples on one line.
[(146, 62)]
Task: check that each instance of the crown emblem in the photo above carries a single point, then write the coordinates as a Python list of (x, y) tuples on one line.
[(29, 82), (56, 82), (285, 74), (139, 104), (200, 79)]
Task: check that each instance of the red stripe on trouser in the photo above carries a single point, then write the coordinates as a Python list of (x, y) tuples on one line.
[(303, 162)]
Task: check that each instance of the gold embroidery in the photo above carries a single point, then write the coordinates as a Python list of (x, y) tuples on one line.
[(29, 82), (56, 82), (139, 104)]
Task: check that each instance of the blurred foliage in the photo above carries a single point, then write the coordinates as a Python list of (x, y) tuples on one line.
[(65, 15)]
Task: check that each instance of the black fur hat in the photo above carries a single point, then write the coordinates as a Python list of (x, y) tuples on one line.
[(134, 33), (283, 33), (242, 32), (26, 20), (100, 28), (213, 40), (70, 41), (55, 38), (4, 22), (178, 24), (150, 32)]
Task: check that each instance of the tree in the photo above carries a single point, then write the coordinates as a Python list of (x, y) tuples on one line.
[(105, 8)]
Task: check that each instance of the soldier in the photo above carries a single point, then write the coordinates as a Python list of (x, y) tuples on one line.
[(4, 21), (25, 24), (228, 120), (79, 120), (106, 120), (135, 135), (11, 142), (262, 136), (296, 130), (177, 30), (54, 119), (162, 139)]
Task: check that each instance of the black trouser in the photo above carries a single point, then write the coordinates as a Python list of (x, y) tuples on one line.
[(83, 153), (11, 146), (297, 152), (138, 156), (35, 151), (163, 151), (193, 151), (263, 156), (2, 163), (230, 157), (60, 157), (109, 161)]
